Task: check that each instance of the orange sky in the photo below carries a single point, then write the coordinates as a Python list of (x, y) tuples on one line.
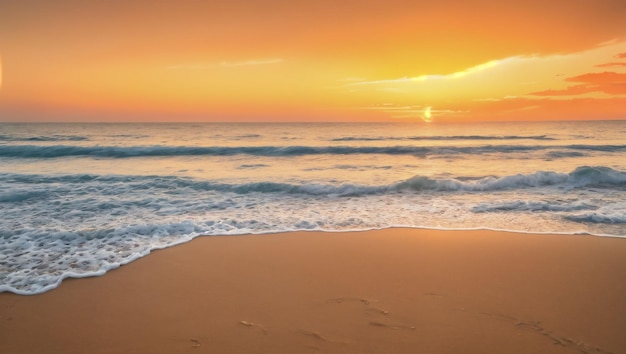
[(278, 60)]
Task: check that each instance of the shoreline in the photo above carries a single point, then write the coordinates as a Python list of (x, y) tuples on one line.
[(395, 290), (103, 272)]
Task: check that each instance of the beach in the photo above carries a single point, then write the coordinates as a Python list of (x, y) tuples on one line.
[(367, 177), (387, 291)]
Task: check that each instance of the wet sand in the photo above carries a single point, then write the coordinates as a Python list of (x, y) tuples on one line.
[(388, 291)]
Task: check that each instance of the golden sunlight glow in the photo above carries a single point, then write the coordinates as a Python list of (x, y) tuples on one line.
[(181, 61), (427, 116), (505, 88), (475, 69), (458, 74)]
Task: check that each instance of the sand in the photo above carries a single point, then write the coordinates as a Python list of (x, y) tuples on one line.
[(389, 291)]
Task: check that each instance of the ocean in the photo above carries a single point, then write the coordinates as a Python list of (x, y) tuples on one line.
[(77, 200)]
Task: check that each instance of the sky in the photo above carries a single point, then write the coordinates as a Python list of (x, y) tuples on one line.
[(322, 60)]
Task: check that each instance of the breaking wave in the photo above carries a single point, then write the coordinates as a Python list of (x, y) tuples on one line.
[(599, 218), (56, 151), (43, 138), (84, 225), (597, 176)]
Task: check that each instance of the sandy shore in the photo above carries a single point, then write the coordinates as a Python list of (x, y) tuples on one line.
[(390, 291)]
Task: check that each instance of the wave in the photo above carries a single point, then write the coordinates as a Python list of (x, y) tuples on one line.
[(534, 206), (443, 138), (598, 176), (598, 218), (252, 166), (79, 225), (573, 210), (17, 196), (555, 155), (43, 138), (57, 151)]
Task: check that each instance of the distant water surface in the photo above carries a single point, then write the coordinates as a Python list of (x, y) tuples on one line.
[(79, 199)]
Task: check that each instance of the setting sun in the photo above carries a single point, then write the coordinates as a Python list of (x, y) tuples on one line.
[(427, 115)]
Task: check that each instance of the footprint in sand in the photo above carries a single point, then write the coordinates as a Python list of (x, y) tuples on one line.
[(196, 343), (537, 327), (319, 337), (391, 326), (365, 302), (376, 311), (253, 325), (313, 334), (340, 300)]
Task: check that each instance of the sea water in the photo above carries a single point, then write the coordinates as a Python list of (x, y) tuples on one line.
[(77, 200)]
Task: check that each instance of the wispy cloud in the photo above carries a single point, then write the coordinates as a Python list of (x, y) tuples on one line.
[(252, 62), (378, 82), (607, 82), (606, 77), (615, 63), (190, 67), (478, 68), (609, 65), (494, 99), (569, 91), (425, 113), (226, 64), (351, 79), (455, 75)]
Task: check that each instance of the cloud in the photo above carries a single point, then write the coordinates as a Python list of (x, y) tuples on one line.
[(189, 67), (391, 89), (252, 62), (608, 82), (351, 79), (226, 64), (494, 99), (390, 107), (378, 82), (606, 77), (569, 91), (546, 108), (608, 65), (455, 75), (478, 68), (621, 55), (425, 113)]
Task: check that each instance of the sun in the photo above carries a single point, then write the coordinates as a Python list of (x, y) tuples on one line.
[(427, 116)]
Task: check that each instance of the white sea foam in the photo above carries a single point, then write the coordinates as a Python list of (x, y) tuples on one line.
[(610, 218), (608, 213), (98, 223)]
